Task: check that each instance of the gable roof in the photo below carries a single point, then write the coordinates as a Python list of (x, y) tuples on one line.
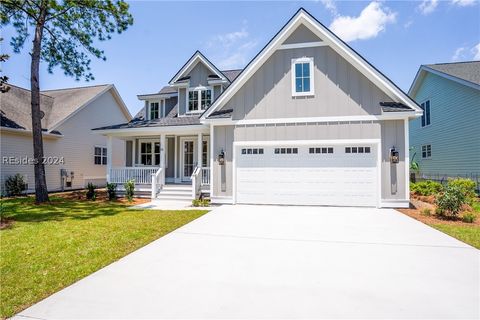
[(466, 73), (191, 63), (57, 105), (302, 17)]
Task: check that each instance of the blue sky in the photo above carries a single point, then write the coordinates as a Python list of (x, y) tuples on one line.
[(395, 36)]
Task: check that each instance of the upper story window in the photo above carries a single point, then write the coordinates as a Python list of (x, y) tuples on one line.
[(426, 113), (154, 110), (426, 151), (302, 77), (199, 99)]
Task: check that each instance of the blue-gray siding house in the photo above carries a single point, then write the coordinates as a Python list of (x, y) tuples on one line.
[(445, 141)]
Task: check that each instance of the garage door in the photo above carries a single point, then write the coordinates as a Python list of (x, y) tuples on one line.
[(340, 175)]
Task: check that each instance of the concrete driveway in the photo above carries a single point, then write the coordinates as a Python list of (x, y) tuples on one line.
[(283, 262)]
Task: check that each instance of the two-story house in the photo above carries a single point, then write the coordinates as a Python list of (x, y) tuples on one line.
[(307, 121), (446, 139)]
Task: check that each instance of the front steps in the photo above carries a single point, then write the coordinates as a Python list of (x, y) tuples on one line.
[(177, 192)]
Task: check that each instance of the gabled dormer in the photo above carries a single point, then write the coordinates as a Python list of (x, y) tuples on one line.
[(199, 82), (159, 105)]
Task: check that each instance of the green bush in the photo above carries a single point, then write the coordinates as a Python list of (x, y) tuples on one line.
[(427, 212), (467, 186), (469, 217), (112, 191), (91, 191), (129, 189), (200, 202), (426, 188), (451, 200), (15, 185)]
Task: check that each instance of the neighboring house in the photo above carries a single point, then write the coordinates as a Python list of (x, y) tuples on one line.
[(308, 121), (69, 144), (446, 139)]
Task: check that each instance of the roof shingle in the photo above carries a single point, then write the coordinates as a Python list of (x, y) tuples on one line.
[(468, 71)]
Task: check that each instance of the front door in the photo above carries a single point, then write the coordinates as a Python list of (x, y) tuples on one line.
[(188, 159)]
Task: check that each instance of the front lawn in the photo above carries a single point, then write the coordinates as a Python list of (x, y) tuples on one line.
[(467, 234), (48, 247)]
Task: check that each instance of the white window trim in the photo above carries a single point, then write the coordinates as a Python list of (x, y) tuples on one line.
[(199, 89), (308, 60), (421, 151), (149, 109), (101, 155), (152, 142)]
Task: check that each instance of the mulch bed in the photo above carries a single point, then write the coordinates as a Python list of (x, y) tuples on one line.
[(101, 196), (6, 223), (419, 203)]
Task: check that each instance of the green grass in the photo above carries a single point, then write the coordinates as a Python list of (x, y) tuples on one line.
[(470, 234), (49, 247)]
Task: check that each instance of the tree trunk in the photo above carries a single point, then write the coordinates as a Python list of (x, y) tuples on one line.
[(41, 193)]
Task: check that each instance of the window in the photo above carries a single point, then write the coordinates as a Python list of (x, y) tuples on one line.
[(252, 151), (150, 153), (100, 155), (199, 99), (426, 113), (357, 149), (427, 151), (154, 110), (205, 154), (320, 150), (286, 151), (302, 77)]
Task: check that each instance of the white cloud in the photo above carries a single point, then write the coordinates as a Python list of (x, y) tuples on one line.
[(463, 3), (371, 21), (408, 24), (459, 54), (233, 49), (476, 52), (330, 5), (427, 6)]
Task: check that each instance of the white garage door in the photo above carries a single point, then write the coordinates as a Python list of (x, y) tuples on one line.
[(341, 175)]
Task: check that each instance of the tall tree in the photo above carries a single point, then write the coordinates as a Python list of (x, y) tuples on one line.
[(63, 35)]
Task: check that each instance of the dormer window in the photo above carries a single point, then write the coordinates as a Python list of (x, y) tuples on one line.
[(302, 77), (154, 110), (199, 99)]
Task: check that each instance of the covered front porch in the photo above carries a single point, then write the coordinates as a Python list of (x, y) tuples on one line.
[(163, 163)]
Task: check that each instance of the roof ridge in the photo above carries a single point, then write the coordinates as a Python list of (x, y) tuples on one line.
[(82, 87), (458, 62), (29, 90)]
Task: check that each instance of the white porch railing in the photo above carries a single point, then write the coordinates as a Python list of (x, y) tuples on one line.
[(141, 175), (200, 177), (205, 176), (157, 182)]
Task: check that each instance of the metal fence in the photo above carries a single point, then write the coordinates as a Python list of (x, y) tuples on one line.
[(443, 178)]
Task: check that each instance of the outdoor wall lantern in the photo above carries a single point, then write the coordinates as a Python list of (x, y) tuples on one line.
[(221, 158), (394, 158)]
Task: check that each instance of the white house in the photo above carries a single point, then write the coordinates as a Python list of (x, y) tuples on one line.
[(74, 154), (307, 121)]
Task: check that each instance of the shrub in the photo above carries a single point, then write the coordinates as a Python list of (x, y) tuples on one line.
[(427, 212), (426, 188), (467, 186), (15, 185), (200, 202), (439, 212), (469, 217), (451, 200), (129, 189), (112, 191), (91, 191)]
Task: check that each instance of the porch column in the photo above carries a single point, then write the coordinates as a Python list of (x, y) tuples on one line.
[(199, 150), (175, 159), (109, 157), (134, 153), (162, 155)]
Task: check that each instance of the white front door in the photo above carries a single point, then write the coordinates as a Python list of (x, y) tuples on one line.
[(340, 175), (188, 158)]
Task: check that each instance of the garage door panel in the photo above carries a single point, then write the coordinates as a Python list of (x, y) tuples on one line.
[(336, 178)]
